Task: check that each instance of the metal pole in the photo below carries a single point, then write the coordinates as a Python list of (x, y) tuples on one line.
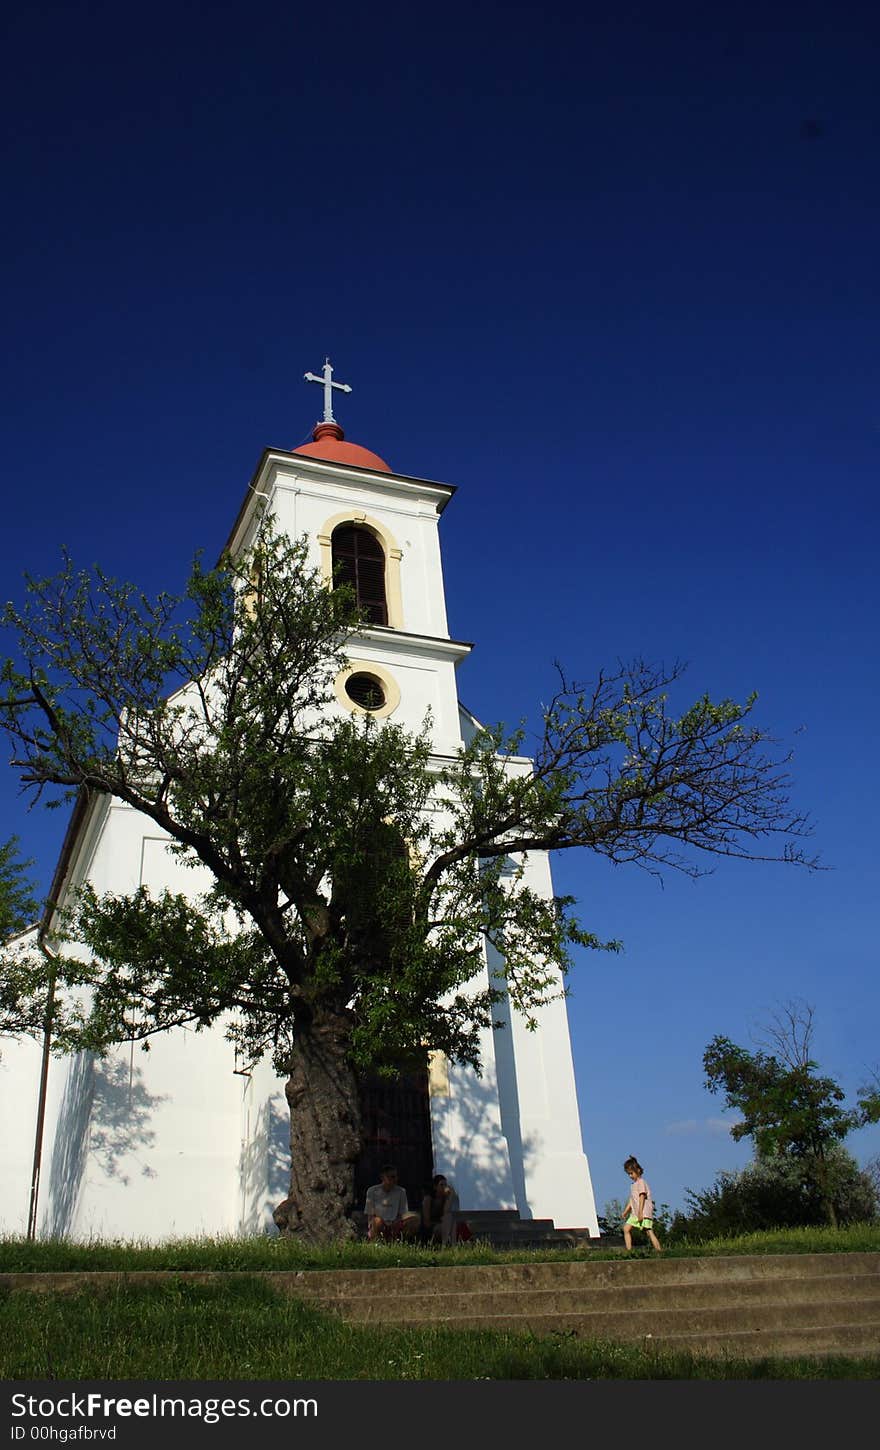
[(41, 1105)]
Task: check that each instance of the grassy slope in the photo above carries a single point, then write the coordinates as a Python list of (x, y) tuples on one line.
[(242, 1329), (245, 1331)]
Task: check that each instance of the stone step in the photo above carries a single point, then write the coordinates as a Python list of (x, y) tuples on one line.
[(480, 1279), (612, 1324), (447, 1303), (503, 1219), (739, 1306), (735, 1305), (496, 1216), (815, 1341), (503, 1228), (585, 1274)]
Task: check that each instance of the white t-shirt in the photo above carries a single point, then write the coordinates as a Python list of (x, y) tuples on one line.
[(388, 1204)]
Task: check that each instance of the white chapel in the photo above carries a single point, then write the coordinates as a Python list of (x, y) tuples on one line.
[(184, 1140)]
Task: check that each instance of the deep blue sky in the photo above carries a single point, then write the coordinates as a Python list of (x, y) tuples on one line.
[(612, 273)]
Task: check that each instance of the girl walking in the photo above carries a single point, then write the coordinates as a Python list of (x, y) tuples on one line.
[(639, 1210)]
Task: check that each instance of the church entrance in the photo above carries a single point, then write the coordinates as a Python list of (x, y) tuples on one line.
[(396, 1127)]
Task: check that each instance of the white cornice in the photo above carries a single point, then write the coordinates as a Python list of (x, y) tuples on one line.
[(298, 463), (77, 851), (279, 470), (399, 642)]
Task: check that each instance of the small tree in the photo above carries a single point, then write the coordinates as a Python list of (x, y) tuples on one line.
[(18, 905), (788, 1109), (345, 924), (23, 986)]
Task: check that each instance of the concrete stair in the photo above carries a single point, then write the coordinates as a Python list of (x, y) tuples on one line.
[(504, 1229), (740, 1306)]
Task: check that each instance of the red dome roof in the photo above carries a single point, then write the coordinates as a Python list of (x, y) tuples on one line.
[(329, 443)]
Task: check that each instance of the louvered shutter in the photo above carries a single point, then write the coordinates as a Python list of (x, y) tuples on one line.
[(359, 560)]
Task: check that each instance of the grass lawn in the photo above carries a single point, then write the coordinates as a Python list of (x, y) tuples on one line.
[(243, 1329), (18, 1255)]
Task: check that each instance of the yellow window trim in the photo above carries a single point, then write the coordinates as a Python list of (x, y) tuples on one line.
[(438, 1075), (367, 667)]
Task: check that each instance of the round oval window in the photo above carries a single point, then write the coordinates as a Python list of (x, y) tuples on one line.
[(366, 691)]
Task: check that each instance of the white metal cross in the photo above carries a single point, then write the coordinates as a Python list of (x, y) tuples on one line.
[(329, 385)]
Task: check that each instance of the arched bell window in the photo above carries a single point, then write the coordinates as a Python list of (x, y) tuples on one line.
[(359, 560)]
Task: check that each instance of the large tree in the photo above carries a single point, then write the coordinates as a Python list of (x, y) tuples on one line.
[(354, 877), (789, 1110)]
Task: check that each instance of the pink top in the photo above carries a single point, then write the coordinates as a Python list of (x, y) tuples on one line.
[(638, 1188)]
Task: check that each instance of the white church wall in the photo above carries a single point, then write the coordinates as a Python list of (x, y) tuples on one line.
[(539, 1101), (426, 683), (538, 1108), (514, 1134), (469, 1143), (265, 1149), (143, 1143), (20, 1063), (422, 577)]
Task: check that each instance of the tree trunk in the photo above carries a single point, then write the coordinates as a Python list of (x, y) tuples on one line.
[(325, 1133), (831, 1212), (826, 1188)]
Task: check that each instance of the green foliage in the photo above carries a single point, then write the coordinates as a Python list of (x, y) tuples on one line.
[(352, 876), (18, 906), (611, 1219), (23, 986), (798, 1123), (872, 1172), (778, 1191), (788, 1109)]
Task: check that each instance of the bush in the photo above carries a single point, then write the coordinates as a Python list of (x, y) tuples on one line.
[(777, 1192)]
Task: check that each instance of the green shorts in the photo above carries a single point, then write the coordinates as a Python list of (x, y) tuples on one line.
[(645, 1223)]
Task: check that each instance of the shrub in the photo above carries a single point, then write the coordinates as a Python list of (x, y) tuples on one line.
[(776, 1192)]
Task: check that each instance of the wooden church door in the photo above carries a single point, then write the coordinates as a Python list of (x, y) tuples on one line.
[(396, 1128)]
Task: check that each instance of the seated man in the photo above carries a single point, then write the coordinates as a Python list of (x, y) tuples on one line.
[(388, 1213)]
